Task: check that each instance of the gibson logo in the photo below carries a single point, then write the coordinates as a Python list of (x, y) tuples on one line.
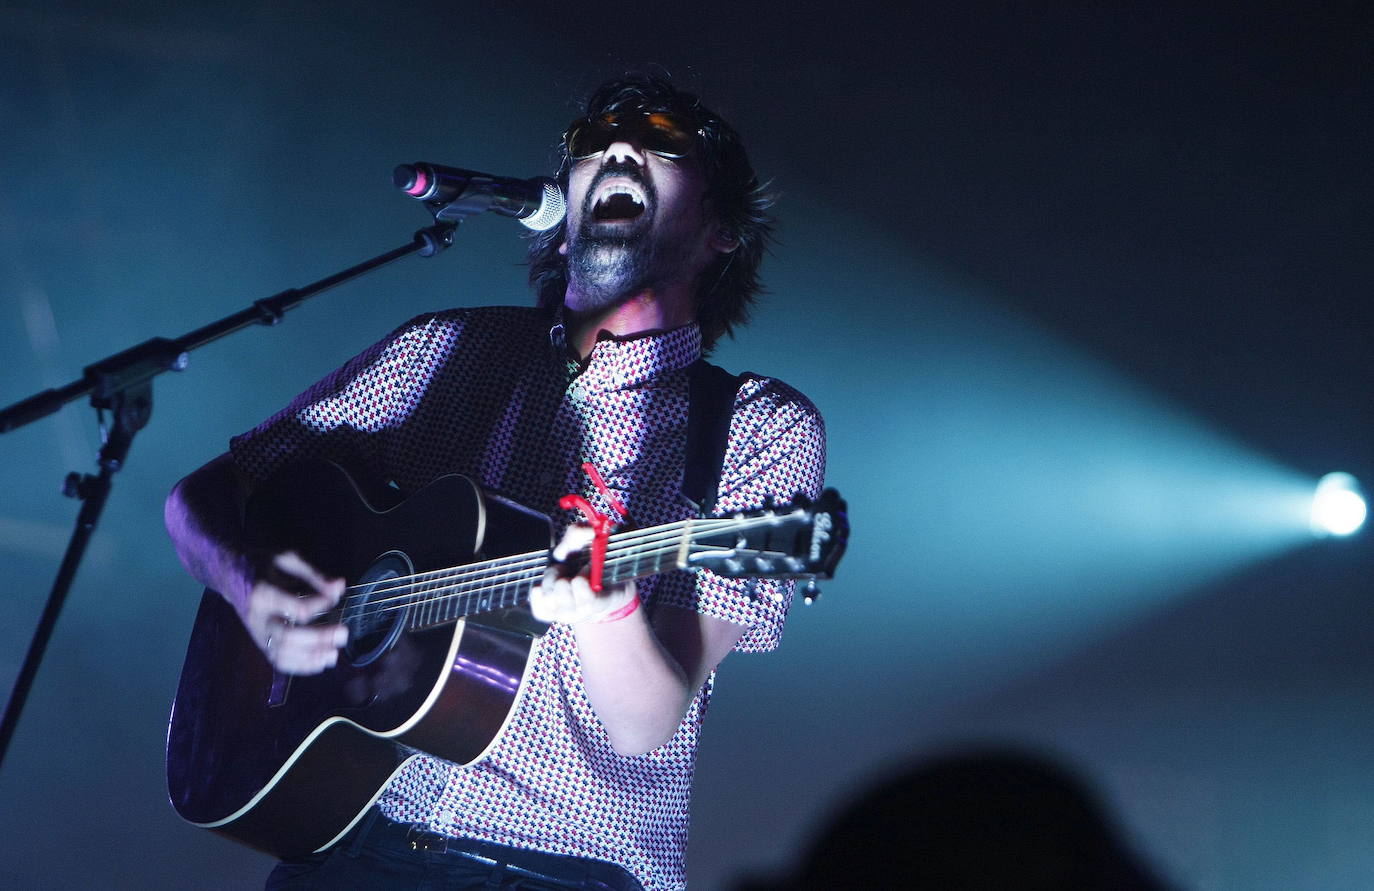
[(820, 534)]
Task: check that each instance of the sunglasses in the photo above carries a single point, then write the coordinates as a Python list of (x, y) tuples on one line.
[(664, 134)]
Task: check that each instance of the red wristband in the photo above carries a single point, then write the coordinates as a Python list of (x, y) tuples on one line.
[(622, 612)]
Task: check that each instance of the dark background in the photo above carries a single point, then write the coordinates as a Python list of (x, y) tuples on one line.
[(1082, 289)]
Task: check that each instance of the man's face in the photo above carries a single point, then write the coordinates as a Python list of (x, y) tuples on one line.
[(636, 222)]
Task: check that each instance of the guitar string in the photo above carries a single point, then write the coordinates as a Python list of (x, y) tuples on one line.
[(623, 550), (488, 568), (528, 579), (517, 568), (617, 545), (624, 557)]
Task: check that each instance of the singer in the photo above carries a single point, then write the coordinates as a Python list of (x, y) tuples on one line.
[(592, 392)]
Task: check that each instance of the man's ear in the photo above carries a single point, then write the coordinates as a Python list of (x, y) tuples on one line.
[(723, 240)]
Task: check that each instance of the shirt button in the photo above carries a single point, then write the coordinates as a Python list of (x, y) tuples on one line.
[(447, 818)]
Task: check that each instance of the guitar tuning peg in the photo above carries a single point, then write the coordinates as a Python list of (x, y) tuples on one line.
[(811, 592)]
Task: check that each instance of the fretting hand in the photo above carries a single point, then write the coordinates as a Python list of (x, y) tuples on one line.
[(569, 598)]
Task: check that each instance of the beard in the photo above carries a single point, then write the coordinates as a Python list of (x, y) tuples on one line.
[(606, 269)]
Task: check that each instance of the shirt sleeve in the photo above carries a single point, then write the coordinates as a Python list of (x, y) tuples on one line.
[(776, 450), (349, 416)]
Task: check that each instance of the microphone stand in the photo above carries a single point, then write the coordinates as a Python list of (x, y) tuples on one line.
[(122, 385)]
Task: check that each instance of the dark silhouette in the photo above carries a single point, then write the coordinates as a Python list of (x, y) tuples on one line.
[(985, 819)]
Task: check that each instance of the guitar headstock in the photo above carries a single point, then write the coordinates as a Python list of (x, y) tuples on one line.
[(800, 540)]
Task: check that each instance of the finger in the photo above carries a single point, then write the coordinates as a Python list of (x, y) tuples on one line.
[(315, 637), (279, 623), (319, 640), (572, 600), (576, 538), (297, 609), (551, 599), (304, 662), (306, 650), (293, 563), (581, 596), (271, 603), (541, 606)]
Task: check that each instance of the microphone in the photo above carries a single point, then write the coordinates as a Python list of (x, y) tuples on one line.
[(452, 193)]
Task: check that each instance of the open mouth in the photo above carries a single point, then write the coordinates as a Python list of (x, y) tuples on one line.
[(618, 202)]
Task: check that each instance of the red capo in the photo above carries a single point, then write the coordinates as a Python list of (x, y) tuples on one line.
[(600, 523)]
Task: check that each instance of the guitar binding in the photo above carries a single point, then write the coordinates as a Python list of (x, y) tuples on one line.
[(373, 630)]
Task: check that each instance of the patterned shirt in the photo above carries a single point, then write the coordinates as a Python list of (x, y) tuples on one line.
[(496, 395)]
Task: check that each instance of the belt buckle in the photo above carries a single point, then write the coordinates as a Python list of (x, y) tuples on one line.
[(423, 840)]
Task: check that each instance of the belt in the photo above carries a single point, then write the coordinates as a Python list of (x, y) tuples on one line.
[(556, 870)]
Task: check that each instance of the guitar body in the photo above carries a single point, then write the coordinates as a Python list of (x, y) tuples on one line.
[(287, 764)]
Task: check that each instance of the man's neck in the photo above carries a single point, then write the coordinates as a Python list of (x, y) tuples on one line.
[(644, 313)]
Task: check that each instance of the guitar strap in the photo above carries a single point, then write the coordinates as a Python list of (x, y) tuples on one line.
[(710, 403)]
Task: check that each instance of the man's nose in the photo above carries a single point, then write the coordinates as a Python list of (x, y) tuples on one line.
[(623, 150)]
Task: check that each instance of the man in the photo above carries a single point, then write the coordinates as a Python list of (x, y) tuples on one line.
[(588, 784)]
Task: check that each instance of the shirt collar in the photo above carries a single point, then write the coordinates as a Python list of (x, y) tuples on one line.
[(617, 363)]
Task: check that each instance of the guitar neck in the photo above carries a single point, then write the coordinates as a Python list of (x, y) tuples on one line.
[(443, 596)]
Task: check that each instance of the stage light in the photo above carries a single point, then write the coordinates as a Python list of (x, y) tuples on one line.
[(1338, 507)]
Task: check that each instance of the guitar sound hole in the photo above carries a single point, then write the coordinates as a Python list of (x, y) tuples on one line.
[(376, 614)]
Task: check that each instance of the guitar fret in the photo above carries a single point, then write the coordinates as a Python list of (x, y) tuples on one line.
[(510, 587), (462, 601), (521, 585)]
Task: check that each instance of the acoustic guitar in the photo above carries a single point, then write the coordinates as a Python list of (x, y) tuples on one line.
[(440, 638)]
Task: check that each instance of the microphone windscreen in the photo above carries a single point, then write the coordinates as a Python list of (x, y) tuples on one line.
[(551, 209)]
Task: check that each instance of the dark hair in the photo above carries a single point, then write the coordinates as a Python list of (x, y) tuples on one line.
[(727, 288)]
